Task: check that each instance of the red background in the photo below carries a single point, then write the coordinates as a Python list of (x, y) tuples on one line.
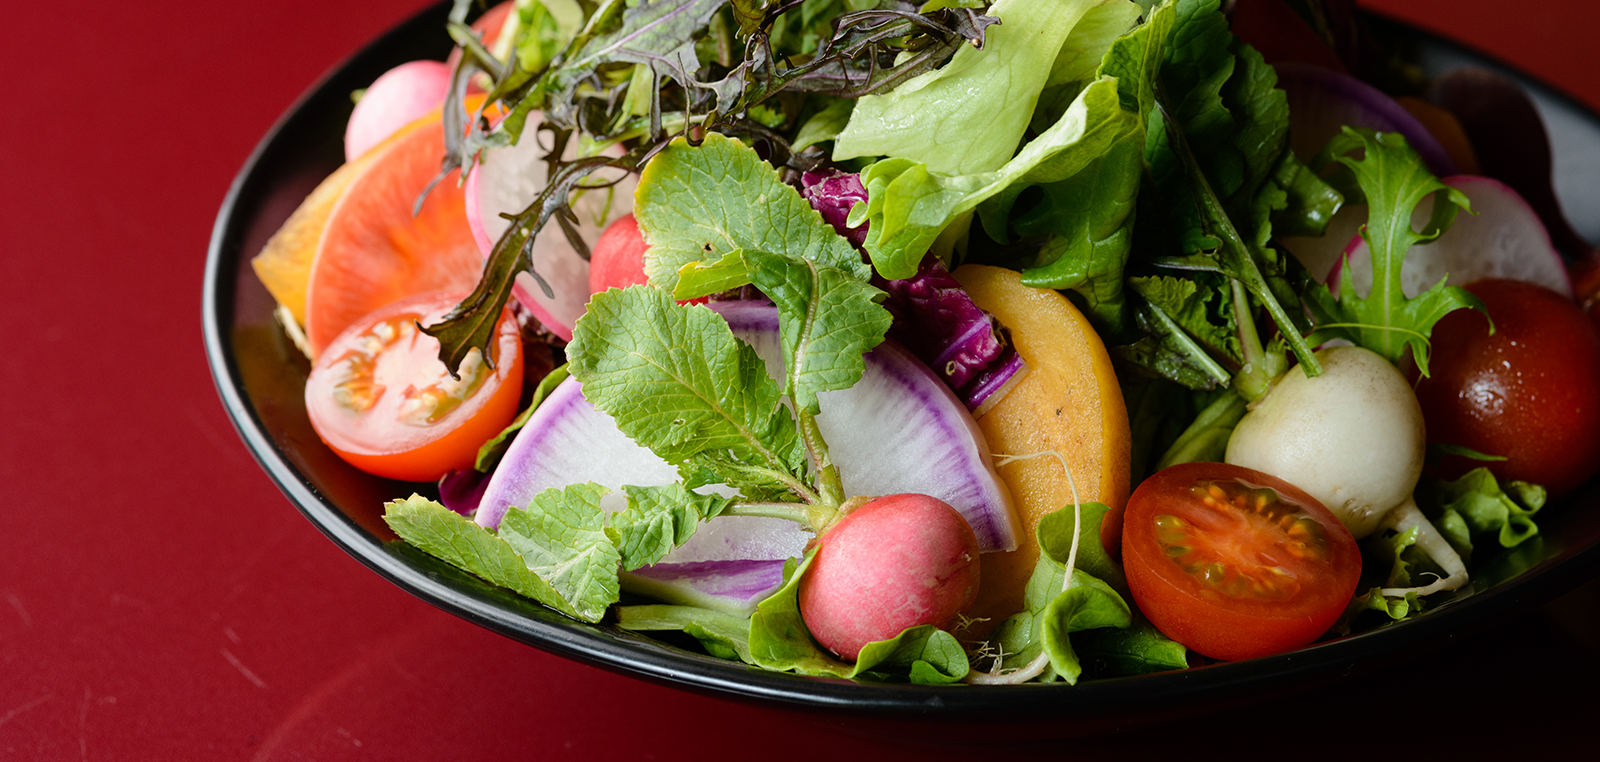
[(160, 599)]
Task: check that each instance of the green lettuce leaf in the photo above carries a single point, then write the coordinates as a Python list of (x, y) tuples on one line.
[(909, 205), (562, 539), (722, 635), (1394, 181), (700, 203), (676, 380), (1095, 600), (657, 520), (780, 641), (1478, 505), (969, 116), (1089, 217), (779, 638)]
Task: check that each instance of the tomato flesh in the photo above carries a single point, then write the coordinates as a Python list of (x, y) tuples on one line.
[(1529, 392), (380, 398), (1234, 563)]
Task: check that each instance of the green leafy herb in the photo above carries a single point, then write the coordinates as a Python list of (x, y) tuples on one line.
[(453, 537), (699, 203), (676, 380), (828, 320), (968, 117), (1394, 181), (1478, 505), (561, 537), (659, 519)]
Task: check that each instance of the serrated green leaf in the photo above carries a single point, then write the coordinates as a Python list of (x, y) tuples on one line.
[(490, 453), (657, 520), (1394, 180), (561, 536), (828, 320), (448, 535), (700, 203), (676, 380), (1203, 312)]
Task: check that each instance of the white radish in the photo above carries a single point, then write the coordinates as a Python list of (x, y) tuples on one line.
[(506, 181), (1505, 239), (1352, 438)]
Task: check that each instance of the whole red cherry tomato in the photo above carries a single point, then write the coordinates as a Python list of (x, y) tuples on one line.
[(1529, 393), (1235, 563)]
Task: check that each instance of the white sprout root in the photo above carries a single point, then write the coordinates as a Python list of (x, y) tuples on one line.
[(997, 675), (1407, 516)]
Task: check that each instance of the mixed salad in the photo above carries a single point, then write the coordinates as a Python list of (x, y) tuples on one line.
[(954, 341)]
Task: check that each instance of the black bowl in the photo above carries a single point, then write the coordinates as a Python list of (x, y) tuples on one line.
[(260, 377)]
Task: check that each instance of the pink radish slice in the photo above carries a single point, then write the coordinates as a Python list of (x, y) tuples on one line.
[(1504, 240), (506, 181), (898, 430), (397, 98), (1323, 101)]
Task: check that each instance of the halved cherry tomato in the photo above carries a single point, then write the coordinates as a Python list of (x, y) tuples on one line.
[(1234, 563), (381, 399)]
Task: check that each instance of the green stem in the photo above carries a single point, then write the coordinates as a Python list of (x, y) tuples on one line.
[(1236, 255), (1257, 374), (1206, 438), (829, 485), (1194, 351), (796, 512)]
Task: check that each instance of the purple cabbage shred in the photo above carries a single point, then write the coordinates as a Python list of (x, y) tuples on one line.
[(933, 316)]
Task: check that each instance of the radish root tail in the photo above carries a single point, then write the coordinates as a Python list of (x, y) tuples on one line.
[(1407, 516), (996, 674)]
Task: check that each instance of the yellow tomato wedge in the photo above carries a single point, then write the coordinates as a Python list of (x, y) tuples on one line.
[(1068, 403)]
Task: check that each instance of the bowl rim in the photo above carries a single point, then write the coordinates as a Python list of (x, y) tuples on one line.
[(637, 656)]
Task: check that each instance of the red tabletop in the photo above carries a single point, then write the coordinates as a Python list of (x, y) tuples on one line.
[(160, 599)]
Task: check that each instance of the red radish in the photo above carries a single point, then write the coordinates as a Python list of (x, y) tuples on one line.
[(506, 182), (1503, 240), (618, 257), (397, 98), (895, 562), (899, 429)]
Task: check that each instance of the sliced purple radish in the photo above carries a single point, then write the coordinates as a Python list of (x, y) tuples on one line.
[(898, 430), (506, 181), (1321, 102), (1503, 240), (733, 587), (395, 99)]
